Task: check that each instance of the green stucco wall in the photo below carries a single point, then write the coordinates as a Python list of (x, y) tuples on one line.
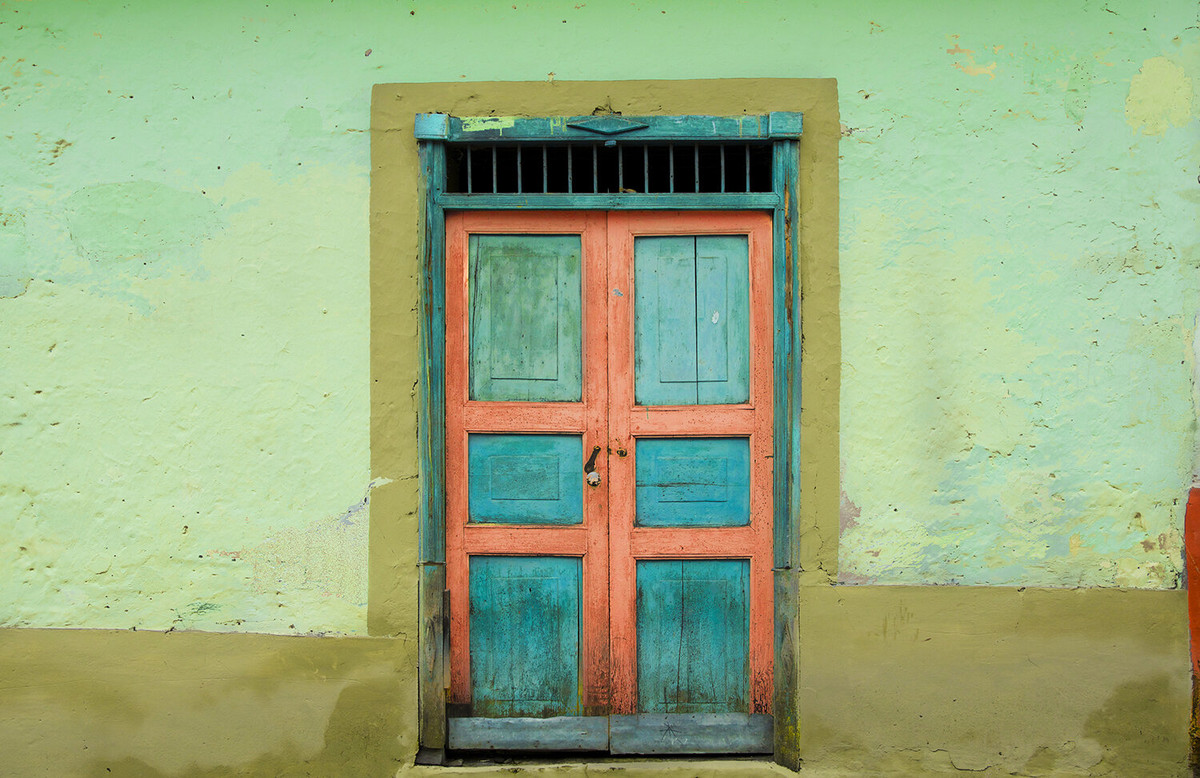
[(186, 369), (184, 284)]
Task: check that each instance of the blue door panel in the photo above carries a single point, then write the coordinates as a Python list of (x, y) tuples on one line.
[(693, 482), (693, 636), (665, 310), (722, 319), (691, 320), (525, 636), (525, 317), (525, 479)]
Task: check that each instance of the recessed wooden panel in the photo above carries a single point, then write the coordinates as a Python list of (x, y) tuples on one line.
[(693, 636), (525, 614), (722, 320), (525, 479), (525, 317), (693, 482), (692, 326)]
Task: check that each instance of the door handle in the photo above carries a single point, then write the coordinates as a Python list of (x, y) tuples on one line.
[(589, 468)]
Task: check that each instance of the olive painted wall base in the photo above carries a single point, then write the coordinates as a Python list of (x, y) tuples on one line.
[(909, 679)]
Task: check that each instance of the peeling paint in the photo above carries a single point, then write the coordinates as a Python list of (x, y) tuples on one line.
[(1160, 96), (481, 123)]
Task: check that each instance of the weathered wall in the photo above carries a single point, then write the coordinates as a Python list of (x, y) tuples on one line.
[(1020, 283), (905, 680), (186, 414), (185, 286)]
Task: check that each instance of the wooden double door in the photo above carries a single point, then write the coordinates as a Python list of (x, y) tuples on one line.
[(609, 480)]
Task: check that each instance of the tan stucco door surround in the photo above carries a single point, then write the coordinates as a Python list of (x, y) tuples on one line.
[(402, 346)]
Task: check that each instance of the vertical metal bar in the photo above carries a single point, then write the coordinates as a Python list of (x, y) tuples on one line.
[(545, 166), (646, 169), (494, 166), (595, 170), (620, 168), (520, 189), (570, 171), (470, 172), (671, 167), (696, 165), (722, 168), (747, 149)]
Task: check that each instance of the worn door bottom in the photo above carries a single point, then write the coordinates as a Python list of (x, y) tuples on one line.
[(647, 733)]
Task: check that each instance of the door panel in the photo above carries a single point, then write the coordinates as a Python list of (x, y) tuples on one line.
[(525, 479), (693, 636), (525, 641), (693, 482), (609, 480), (666, 324), (722, 320), (526, 321), (692, 320)]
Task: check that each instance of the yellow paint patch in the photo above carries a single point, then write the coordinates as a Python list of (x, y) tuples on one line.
[(1160, 96), (480, 123), (973, 69), (966, 62)]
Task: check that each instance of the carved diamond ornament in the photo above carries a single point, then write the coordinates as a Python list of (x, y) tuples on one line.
[(606, 125)]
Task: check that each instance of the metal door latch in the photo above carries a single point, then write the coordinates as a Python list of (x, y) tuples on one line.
[(593, 478)]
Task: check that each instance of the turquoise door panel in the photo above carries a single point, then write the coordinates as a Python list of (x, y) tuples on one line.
[(693, 636), (691, 320), (525, 479), (525, 317), (525, 636), (722, 320), (693, 482), (665, 332)]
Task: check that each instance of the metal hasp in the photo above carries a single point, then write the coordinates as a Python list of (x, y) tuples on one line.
[(438, 133)]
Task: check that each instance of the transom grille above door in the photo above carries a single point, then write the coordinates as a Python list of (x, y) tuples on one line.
[(610, 168), (608, 161)]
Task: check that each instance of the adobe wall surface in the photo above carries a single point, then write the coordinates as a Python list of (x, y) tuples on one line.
[(207, 372)]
